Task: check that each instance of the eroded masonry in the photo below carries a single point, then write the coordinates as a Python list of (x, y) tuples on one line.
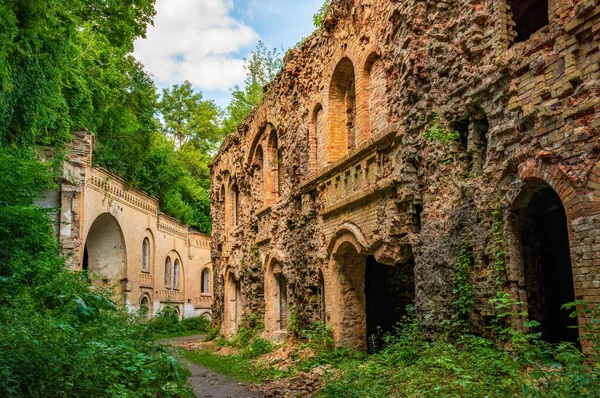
[(409, 148)]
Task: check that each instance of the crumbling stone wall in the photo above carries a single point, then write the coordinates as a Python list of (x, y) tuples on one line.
[(367, 165)]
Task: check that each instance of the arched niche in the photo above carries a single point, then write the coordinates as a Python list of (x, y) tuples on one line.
[(277, 304), (105, 254), (542, 260), (341, 112), (233, 306), (374, 111), (316, 139), (205, 281)]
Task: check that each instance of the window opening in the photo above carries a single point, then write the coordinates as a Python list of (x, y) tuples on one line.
[(529, 16), (168, 271), (204, 283), (145, 254), (176, 274)]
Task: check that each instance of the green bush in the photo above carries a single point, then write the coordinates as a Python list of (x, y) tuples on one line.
[(319, 337), (257, 348), (166, 322), (196, 324)]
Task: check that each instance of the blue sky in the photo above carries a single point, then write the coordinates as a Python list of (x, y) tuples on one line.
[(205, 41)]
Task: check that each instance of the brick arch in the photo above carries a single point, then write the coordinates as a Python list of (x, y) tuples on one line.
[(348, 233), (372, 106), (232, 305), (257, 139), (148, 301), (273, 166), (276, 306), (316, 129), (534, 175), (551, 174), (344, 281), (105, 249), (342, 130)]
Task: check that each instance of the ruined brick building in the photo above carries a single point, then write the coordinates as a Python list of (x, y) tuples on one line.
[(405, 147)]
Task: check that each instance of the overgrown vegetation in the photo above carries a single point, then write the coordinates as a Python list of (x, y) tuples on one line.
[(261, 68), (438, 132), (166, 323), (66, 66), (320, 14), (456, 364), (60, 337)]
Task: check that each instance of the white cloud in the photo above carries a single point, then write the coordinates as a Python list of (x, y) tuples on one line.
[(195, 40)]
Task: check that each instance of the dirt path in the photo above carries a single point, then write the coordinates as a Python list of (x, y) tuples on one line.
[(207, 383)]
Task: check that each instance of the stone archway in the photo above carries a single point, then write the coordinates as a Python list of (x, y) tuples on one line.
[(105, 255), (544, 260), (276, 297), (232, 314), (348, 301)]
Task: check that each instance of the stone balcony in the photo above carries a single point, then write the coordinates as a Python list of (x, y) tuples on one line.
[(175, 296), (146, 279)]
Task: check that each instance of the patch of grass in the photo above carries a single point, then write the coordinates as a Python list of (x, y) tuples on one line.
[(178, 334)]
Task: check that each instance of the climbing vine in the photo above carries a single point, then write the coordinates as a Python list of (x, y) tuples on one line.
[(499, 247), (464, 295)]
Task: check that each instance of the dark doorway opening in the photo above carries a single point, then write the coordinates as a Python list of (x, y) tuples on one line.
[(529, 17), (85, 264), (547, 265), (388, 290)]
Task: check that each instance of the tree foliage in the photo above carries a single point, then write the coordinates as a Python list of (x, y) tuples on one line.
[(319, 16), (261, 68), (188, 118), (65, 65)]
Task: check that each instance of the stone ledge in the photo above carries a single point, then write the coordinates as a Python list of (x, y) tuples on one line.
[(365, 194), (379, 141)]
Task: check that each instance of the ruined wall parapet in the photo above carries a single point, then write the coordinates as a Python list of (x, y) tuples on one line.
[(415, 122)]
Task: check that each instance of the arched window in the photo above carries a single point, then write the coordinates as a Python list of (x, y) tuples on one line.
[(146, 255), (375, 111), (342, 112), (235, 199), (319, 129), (176, 274), (168, 271), (274, 167), (258, 178), (205, 281)]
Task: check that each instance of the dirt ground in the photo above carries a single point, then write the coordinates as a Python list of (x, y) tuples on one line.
[(207, 383)]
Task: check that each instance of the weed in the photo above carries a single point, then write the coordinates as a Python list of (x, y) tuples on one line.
[(437, 132)]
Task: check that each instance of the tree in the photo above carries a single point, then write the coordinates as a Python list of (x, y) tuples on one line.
[(186, 116), (261, 69)]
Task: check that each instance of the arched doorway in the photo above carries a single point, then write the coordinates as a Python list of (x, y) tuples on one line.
[(543, 232), (105, 255), (389, 289), (233, 304), (276, 295), (348, 309), (145, 306)]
